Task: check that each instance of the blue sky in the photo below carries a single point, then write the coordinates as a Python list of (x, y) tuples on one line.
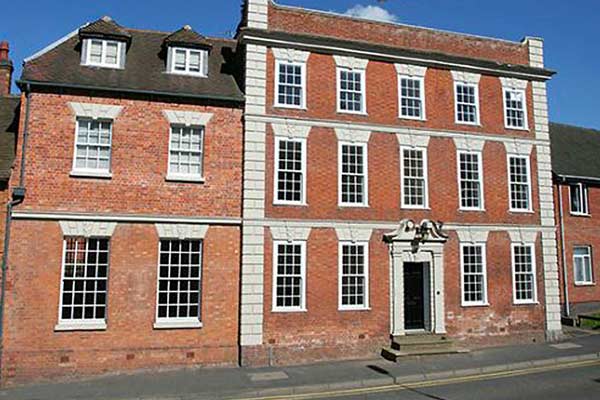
[(570, 29)]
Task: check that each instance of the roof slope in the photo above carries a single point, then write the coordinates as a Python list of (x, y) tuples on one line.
[(144, 69), (9, 121), (575, 151)]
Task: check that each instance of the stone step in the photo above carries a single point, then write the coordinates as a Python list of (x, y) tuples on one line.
[(420, 342), (395, 355)]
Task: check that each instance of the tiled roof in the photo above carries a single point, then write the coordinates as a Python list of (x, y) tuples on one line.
[(186, 36), (144, 72), (9, 121), (106, 27), (575, 151)]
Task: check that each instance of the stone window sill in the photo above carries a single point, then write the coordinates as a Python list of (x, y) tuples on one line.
[(90, 174), (80, 326), (178, 324)]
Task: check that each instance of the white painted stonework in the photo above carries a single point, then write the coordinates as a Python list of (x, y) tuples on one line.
[(258, 14), (522, 236), (513, 83), (181, 231), (412, 140), (291, 131), (473, 235), (352, 233), (518, 148), (351, 62), (87, 229), (466, 77), (290, 55), (95, 111), (290, 233), (187, 118), (468, 143), (416, 71), (352, 135)]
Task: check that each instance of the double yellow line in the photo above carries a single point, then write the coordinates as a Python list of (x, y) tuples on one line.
[(426, 384)]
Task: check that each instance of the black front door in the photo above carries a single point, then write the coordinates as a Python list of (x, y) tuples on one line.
[(414, 303)]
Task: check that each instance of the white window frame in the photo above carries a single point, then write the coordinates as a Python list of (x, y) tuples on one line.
[(187, 177), (302, 307), (188, 51), (178, 322), (587, 257), (103, 63), (421, 81), (363, 94), (477, 105), (366, 305), (484, 301), (533, 272), (302, 201), (276, 102), (81, 324), (92, 172), (529, 208), (525, 126), (365, 202), (479, 155), (425, 178), (584, 201)]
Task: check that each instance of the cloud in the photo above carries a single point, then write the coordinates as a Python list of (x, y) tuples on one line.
[(371, 12)]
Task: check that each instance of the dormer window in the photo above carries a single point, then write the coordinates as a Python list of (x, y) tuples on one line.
[(188, 61), (103, 53)]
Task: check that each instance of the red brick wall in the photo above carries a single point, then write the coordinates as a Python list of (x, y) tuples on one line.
[(34, 351), (324, 332), (384, 183), (580, 231), (139, 161), (382, 98), (501, 319), (402, 36)]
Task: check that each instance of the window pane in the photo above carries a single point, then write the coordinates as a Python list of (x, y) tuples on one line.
[(194, 61), (290, 88), (351, 91), (523, 273), (180, 56), (112, 50), (413, 175), (411, 102), (474, 284), (93, 148), (179, 287), (288, 276), (519, 183), (84, 279), (353, 174), (186, 150), (470, 180), (96, 51), (466, 104), (514, 102), (289, 171), (353, 285)]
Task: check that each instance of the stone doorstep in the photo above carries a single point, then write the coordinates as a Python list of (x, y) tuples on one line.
[(407, 379)]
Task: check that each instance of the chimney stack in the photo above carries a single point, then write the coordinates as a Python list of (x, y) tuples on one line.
[(6, 69)]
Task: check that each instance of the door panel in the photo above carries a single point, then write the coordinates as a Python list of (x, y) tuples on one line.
[(414, 303)]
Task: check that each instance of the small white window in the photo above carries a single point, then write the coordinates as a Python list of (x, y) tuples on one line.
[(412, 98), (290, 171), (414, 177), (474, 277), (179, 283), (519, 183), (103, 53), (582, 262), (470, 177), (92, 147), (579, 199), (353, 174), (351, 91), (467, 103), (84, 282), (188, 61), (353, 276), (290, 84), (289, 276), (515, 110), (524, 279), (186, 152)]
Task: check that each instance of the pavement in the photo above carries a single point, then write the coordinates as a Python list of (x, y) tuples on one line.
[(285, 382)]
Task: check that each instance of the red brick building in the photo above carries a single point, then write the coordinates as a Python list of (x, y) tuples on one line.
[(576, 171), (352, 126), (125, 251)]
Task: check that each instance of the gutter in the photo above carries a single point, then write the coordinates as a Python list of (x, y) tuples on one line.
[(563, 253), (576, 178), (25, 82), (18, 196)]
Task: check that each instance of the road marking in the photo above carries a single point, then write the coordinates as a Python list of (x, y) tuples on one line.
[(565, 346), (426, 384)]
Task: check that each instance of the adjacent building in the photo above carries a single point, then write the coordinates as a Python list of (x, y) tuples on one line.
[(352, 126), (576, 169), (125, 250)]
